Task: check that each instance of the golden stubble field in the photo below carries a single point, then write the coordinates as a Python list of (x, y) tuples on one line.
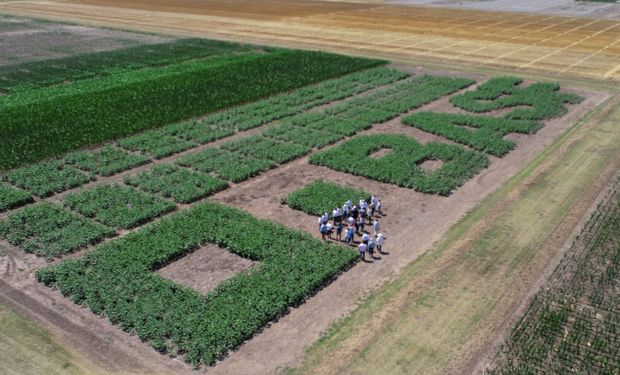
[(524, 42)]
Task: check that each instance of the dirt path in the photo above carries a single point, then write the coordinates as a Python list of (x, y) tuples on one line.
[(445, 311), (410, 215)]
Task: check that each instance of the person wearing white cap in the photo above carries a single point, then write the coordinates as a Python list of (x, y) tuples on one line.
[(362, 248)]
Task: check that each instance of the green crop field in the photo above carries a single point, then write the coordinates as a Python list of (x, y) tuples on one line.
[(95, 110), (116, 165)]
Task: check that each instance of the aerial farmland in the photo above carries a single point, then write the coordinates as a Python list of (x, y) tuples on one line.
[(309, 187)]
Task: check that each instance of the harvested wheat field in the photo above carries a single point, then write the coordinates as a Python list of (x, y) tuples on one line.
[(553, 44)]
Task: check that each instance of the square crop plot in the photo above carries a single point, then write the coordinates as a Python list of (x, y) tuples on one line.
[(227, 165), (118, 206), (47, 178), (118, 280), (302, 136), (265, 148), (321, 196), (49, 230), (197, 131), (156, 144), (180, 184), (105, 161), (12, 198)]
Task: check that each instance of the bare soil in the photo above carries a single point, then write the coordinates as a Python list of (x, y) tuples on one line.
[(570, 8), (413, 222), (23, 40), (203, 269)]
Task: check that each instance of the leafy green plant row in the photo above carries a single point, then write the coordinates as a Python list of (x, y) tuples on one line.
[(226, 164), (543, 100), (46, 178), (97, 64), (402, 164), (12, 198), (180, 184), (40, 123), (263, 148), (155, 144), (251, 115), (105, 161), (571, 326), (49, 230), (75, 169), (118, 206), (117, 280), (321, 196), (482, 133), (318, 129), (296, 136)]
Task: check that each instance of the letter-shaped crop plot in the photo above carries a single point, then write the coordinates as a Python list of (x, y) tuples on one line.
[(543, 99), (117, 280), (402, 164), (482, 133)]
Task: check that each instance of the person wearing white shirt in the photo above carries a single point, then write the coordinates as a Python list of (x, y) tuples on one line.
[(376, 226), (365, 238), (379, 242), (362, 248), (329, 229), (325, 217), (349, 205), (360, 225)]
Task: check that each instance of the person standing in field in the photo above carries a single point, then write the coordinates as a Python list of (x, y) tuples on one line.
[(323, 230), (379, 241), (329, 229), (325, 217), (363, 213), (339, 231), (365, 238), (379, 207), (351, 221), (376, 226), (360, 225), (373, 204), (362, 249), (348, 238), (336, 215), (371, 248)]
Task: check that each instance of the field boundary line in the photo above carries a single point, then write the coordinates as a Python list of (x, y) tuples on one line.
[(569, 45)]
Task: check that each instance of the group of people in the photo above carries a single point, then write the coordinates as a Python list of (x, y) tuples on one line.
[(355, 217)]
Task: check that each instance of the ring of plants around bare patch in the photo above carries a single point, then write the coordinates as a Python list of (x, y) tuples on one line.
[(401, 165), (117, 279)]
